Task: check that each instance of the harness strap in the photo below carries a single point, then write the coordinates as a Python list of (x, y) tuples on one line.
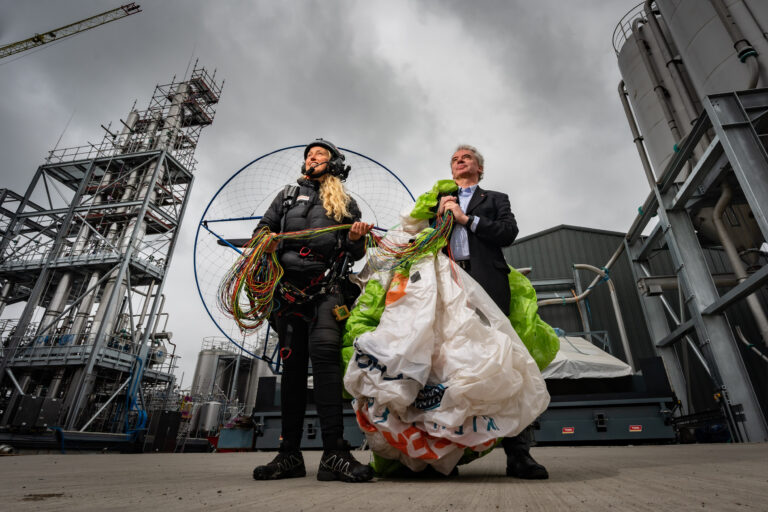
[(290, 193)]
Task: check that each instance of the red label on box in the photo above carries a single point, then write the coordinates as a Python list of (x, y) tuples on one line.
[(568, 430), (635, 428)]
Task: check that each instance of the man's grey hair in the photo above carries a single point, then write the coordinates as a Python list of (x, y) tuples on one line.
[(478, 156)]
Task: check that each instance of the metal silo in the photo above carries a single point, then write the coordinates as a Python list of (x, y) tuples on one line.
[(723, 49), (692, 72), (210, 372), (673, 53)]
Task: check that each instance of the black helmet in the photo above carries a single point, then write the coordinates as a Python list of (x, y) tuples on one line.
[(335, 165)]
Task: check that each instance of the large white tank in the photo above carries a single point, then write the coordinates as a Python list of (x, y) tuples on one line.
[(706, 48), (208, 416), (651, 120), (209, 372), (258, 369), (710, 64)]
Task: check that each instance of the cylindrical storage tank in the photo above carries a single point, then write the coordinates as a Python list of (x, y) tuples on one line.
[(208, 418), (209, 372), (258, 369), (642, 94), (694, 31), (707, 49)]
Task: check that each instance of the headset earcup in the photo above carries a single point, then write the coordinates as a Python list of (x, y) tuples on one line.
[(335, 165)]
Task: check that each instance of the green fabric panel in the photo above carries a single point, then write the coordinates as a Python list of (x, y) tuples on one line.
[(364, 317), (366, 314), (385, 467), (471, 455), (538, 337), (426, 203)]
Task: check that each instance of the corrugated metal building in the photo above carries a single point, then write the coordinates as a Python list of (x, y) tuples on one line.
[(551, 254)]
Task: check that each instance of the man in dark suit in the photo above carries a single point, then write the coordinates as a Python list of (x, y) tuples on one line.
[(483, 225)]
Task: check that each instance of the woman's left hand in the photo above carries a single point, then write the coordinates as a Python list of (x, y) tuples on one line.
[(358, 230)]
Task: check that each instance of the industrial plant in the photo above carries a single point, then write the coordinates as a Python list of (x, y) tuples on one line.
[(663, 327), (86, 249)]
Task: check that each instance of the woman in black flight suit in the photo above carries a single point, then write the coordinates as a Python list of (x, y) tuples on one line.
[(307, 326)]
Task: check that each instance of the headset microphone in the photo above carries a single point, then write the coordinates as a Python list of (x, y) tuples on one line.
[(335, 166)]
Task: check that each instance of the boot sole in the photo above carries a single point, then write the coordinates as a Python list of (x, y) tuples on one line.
[(528, 476), (329, 476), (296, 474)]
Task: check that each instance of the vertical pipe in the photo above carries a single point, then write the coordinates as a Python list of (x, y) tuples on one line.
[(84, 310), (733, 257), (43, 277), (616, 310), (146, 189), (4, 293), (124, 139), (658, 86), (744, 50), (53, 388), (582, 312), (158, 314), (86, 305), (636, 137), (174, 118), (108, 308), (56, 304), (233, 387), (143, 313), (673, 65)]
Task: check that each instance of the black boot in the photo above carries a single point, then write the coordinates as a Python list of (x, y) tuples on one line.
[(287, 464), (339, 464), (520, 464)]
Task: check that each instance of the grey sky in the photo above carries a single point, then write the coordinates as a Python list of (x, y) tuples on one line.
[(531, 83)]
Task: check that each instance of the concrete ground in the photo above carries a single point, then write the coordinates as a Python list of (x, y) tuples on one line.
[(717, 477)]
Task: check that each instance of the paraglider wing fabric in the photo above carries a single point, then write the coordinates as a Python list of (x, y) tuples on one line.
[(444, 370), (537, 336)]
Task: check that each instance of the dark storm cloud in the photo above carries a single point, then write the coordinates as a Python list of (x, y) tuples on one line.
[(554, 52), (301, 72), (304, 69)]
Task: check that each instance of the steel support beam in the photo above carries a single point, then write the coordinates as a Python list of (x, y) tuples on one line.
[(88, 376), (713, 158), (644, 250), (747, 155), (139, 370), (675, 335), (38, 288), (658, 328), (745, 288), (718, 343)]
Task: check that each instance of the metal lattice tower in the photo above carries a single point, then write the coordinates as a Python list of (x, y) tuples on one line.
[(87, 248)]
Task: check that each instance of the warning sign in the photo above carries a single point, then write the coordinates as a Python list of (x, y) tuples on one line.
[(568, 430), (635, 428)]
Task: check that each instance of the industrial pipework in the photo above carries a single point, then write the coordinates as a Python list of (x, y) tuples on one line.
[(91, 265)]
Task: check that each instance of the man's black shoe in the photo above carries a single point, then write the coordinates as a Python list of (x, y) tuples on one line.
[(520, 464), (341, 465), (289, 464)]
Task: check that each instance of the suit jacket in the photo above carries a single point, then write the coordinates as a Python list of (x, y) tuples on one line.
[(496, 228)]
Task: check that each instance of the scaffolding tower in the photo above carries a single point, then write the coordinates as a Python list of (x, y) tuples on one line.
[(87, 249)]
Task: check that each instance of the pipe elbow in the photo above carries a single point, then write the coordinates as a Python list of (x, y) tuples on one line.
[(754, 69)]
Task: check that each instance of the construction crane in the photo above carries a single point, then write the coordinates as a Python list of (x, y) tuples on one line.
[(69, 30)]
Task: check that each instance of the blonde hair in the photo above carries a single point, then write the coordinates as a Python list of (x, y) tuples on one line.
[(335, 199)]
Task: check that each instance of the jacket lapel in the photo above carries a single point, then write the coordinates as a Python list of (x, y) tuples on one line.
[(477, 198)]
